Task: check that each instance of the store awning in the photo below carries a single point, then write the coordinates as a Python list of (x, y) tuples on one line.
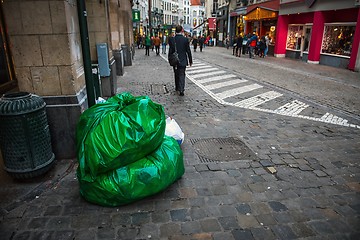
[(238, 11), (260, 13)]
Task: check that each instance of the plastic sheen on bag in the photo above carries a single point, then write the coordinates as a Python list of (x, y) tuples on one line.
[(138, 180), (118, 132), (173, 129)]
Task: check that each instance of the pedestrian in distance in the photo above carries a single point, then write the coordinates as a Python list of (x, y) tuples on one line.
[(147, 45), (239, 45), (201, 43), (234, 45), (157, 43), (195, 43), (227, 42), (182, 46), (164, 42)]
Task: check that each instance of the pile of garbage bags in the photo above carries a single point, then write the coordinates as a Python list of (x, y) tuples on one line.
[(123, 152)]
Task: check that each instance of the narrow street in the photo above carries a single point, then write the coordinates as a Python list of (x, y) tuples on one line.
[(271, 151)]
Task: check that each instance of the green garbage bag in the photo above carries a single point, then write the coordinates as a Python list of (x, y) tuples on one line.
[(137, 180), (118, 132)]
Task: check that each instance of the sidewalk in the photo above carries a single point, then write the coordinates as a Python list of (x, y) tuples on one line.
[(296, 179)]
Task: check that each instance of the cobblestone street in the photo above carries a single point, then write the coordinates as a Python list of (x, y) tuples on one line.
[(297, 178)]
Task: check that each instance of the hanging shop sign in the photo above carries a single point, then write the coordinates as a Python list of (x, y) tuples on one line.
[(136, 15)]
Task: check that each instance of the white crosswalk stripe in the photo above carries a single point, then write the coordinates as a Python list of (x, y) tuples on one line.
[(197, 67), (202, 70), (237, 91), (200, 75), (225, 84), (217, 78), (258, 99), (292, 108)]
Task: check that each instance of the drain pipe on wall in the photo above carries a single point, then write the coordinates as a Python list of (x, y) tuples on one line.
[(85, 47)]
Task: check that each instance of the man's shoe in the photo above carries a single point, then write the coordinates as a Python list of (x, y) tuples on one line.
[(181, 93)]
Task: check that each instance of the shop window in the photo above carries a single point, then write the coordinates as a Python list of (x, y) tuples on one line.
[(295, 33), (338, 39)]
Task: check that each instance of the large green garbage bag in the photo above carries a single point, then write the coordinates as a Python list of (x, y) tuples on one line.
[(118, 132), (137, 180)]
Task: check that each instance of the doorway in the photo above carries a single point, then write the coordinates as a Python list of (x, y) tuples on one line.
[(7, 73)]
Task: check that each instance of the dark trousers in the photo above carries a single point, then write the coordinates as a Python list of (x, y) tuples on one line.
[(157, 49), (147, 49), (179, 78)]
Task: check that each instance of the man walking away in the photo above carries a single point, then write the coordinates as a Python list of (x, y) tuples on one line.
[(157, 43), (183, 49)]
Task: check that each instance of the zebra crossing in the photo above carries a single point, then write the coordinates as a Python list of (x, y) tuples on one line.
[(227, 88)]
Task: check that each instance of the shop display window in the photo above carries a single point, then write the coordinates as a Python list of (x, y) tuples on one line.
[(294, 37), (338, 39)]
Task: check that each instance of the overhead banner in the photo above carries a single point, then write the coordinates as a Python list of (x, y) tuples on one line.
[(212, 23)]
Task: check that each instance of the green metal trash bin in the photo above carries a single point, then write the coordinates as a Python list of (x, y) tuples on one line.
[(24, 135)]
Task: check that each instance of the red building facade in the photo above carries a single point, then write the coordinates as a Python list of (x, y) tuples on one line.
[(319, 32)]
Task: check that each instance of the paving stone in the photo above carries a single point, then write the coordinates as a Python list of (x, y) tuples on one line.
[(214, 166), (85, 234), (283, 217), (197, 202), (210, 225), (190, 227), (58, 223), (321, 227), (53, 211), (179, 203), (201, 167), (228, 223), (320, 173), (266, 163), (124, 232), (262, 233), (22, 235), (64, 235), (179, 215), (37, 222), (198, 213), (242, 234), (302, 230), (243, 208), (42, 235), (169, 229), (227, 210), (283, 232), (204, 192), (223, 236), (257, 187), (187, 193), (277, 206), (140, 218), (266, 219), (149, 231)]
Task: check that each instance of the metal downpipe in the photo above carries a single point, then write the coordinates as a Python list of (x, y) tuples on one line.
[(85, 47)]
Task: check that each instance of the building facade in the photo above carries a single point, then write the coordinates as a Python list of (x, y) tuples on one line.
[(43, 53)]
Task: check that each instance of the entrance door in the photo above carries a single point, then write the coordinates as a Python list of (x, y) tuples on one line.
[(305, 44)]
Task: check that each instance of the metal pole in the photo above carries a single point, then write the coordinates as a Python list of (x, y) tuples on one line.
[(85, 47)]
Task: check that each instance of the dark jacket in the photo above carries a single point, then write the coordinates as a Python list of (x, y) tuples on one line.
[(183, 49), (239, 41)]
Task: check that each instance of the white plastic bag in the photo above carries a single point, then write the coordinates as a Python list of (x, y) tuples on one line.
[(173, 129)]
